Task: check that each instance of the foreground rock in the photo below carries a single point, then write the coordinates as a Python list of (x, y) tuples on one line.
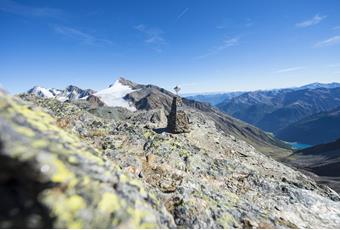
[(51, 179), (201, 179)]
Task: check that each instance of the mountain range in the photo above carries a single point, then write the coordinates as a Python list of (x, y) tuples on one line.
[(277, 111), (292, 114), (132, 96), (217, 98), (86, 163), (274, 110), (69, 93), (318, 128), (214, 98)]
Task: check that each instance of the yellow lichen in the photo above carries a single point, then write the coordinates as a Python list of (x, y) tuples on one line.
[(123, 178), (66, 209), (226, 220), (39, 144), (139, 185), (20, 151), (72, 160), (63, 174), (66, 206), (25, 131), (86, 180), (147, 134), (109, 203), (139, 218)]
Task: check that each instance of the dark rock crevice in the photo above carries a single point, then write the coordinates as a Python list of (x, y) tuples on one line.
[(19, 195)]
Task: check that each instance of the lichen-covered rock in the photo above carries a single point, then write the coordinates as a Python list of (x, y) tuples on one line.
[(201, 179), (50, 178)]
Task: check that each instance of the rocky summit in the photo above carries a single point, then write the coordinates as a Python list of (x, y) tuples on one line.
[(83, 164)]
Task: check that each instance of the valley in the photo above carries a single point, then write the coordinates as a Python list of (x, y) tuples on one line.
[(306, 114), (307, 118)]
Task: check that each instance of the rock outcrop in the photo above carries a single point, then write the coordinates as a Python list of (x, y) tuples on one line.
[(87, 169), (95, 101), (178, 121)]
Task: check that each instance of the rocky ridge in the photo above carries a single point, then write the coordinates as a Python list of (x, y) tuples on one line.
[(150, 97), (133, 96), (202, 179)]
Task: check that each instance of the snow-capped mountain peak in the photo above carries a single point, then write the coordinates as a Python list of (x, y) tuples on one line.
[(41, 92), (70, 93), (114, 95)]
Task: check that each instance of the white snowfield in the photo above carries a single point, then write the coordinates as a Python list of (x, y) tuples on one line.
[(43, 92), (114, 96), (50, 93)]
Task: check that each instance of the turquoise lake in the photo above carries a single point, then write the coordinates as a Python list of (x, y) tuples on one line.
[(298, 146)]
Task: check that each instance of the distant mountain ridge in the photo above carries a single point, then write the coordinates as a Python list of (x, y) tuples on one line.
[(316, 85), (219, 97), (315, 129), (275, 110), (215, 98)]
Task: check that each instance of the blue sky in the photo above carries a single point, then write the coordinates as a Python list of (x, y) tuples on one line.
[(211, 45)]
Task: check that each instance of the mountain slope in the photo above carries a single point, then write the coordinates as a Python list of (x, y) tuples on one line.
[(315, 129), (148, 97), (275, 110), (114, 95), (120, 173), (323, 160), (132, 96)]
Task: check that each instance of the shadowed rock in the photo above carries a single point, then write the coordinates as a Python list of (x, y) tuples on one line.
[(95, 101)]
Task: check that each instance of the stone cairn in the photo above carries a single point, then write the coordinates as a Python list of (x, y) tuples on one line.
[(178, 121)]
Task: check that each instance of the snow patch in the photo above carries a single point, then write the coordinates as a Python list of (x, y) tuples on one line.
[(62, 99), (114, 96), (43, 92)]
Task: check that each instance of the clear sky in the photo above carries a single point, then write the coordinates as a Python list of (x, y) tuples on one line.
[(203, 45)]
